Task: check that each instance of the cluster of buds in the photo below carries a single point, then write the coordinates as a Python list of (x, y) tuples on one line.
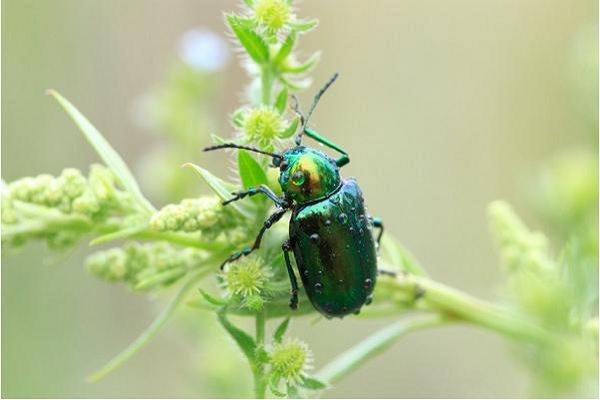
[(144, 267), (247, 281), (60, 209), (205, 215)]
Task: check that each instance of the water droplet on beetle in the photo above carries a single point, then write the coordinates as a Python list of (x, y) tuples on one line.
[(305, 273), (353, 209), (341, 281), (343, 218), (327, 222), (347, 246), (367, 283), (351, 229), (318, 287), (314, 237)]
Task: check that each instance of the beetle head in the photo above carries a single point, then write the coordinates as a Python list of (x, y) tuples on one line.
[(306, 174)]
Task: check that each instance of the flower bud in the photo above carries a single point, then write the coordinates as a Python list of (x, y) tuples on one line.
[(272, 15), (291, 360), (262, 125)]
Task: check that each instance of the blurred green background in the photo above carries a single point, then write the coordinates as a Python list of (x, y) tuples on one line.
[(443, 106)]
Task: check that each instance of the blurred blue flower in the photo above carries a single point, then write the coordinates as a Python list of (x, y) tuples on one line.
[(203, 50)]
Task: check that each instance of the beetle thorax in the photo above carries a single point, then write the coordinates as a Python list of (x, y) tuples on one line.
[(308, 175)]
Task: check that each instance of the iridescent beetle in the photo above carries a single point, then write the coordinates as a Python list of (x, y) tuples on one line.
[(330, 232)]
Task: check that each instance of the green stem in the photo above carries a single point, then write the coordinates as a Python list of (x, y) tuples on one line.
[(266, 83), (454, 304), (260, 383)]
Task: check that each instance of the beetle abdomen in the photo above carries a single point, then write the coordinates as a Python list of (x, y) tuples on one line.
[(335, 251)]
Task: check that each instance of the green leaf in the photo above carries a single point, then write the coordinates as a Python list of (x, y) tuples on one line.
[(312, 383), (276, 392), (281, 329), (285, 49), (219, 140), (244, 340), (255, 46), (120, 234), (393, 251), (237, 118), (105, 151), (304, 67), (373, 345), (169, 276), (304, 25), (290, 130), (251, 173), (221, 189), (213, 300), (294, 84), (281, 101), (149, 333), (249, 3), (273, 385)]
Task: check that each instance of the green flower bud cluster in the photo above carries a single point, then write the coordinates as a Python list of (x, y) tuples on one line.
[(144, 266), (272, 15), (205, 215), (60, 209), (247, 280), (291, 360), (521, 249)]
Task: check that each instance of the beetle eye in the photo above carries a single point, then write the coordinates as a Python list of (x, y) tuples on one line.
[(298, 178), (283, 166), (276, 162)]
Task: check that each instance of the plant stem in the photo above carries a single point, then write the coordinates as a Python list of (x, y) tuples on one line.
[(454, 304), (260, 384), (266, 83)]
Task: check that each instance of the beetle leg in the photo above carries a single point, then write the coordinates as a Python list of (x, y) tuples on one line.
[(340, 162), (276, 216), (286, 255), (378, 223), (254, 191)]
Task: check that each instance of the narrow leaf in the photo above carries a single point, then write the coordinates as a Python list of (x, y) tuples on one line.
[(313, 384), (281, 100), (120, 234), (286, 48), (105, 151), (304, 67), (219, 140), (304, 25), (281, 329), (221, 189), (290, 130), (213, 300), (255, 46), (373, 345), (149, 333), (244, 340), (294, 84), (251, 173), (237, 118), (163, 277)]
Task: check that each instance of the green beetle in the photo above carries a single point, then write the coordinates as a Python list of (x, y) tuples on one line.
[(330, 231)]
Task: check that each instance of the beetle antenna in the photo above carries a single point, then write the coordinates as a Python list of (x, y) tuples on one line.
[(237, 146), (318, 96), (316, 99)]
